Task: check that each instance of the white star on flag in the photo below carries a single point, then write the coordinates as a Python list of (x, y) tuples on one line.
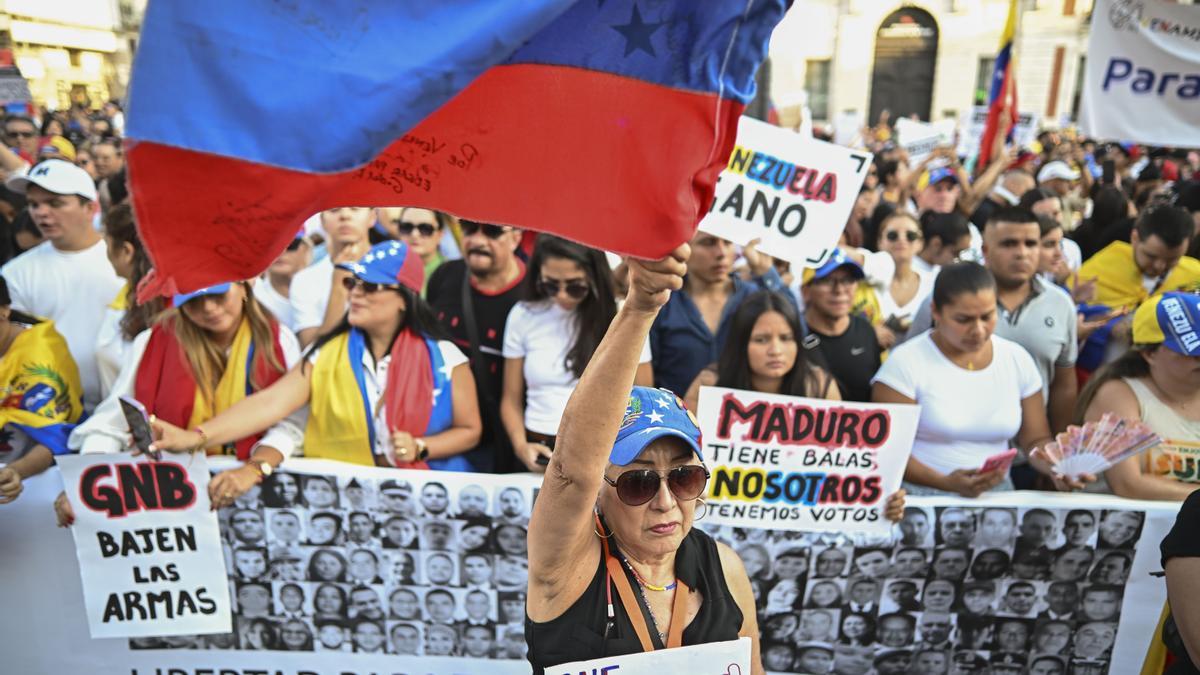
[(663, 403), (370, 257), (436, 394), (445, 370), (655, 417)]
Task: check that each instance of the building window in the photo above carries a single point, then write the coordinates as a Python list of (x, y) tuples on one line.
[(816, 83), (983, 79)]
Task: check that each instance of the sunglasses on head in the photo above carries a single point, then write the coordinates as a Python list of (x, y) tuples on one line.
[(425, 229), (368, 287), (910, 235), (639, 486), (470, 229), (295, 244), (576, 289)]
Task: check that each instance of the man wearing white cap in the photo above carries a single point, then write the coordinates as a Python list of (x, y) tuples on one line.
[(66, 278), (1060, 178)]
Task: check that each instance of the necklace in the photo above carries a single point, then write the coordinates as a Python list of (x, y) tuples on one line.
[(645, 583), (646, 601)]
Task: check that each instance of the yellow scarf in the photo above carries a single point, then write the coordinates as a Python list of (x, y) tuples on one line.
[(121, 302), (1119, 281), (230, 389), (337, 424), (39, 385)]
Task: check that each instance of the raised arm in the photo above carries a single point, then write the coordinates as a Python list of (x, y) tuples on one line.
[(560, 528)]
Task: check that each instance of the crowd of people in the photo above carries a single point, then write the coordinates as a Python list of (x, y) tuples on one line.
[(1055, 286)]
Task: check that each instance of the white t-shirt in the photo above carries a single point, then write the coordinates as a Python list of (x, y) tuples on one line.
[(280, 306), (542, 333), (73, 289), (966, 415), (309, 295), (107, 432), (111, 348), (881, 274)]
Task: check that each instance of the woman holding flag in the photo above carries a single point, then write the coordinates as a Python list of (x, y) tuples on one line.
[(615, 566), (217, 346), (41, 396), (380, 389)]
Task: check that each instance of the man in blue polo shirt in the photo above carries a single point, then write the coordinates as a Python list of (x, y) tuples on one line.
[(691, 328)]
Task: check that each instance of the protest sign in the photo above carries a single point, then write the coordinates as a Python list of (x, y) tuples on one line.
[(920, 139), (149, 551), (719, 658), (789, 190), (1142, 81), (975, 120), (803, 464), (809, 586)]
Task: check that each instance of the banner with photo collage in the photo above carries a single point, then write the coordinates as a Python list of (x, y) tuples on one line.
[(345, 570), (1022, 583)]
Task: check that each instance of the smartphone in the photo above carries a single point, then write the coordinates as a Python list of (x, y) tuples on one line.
[(1002, 460), (139, 424)]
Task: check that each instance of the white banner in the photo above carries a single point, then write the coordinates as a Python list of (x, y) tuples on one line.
[(1143, 73), (789, 190), (956, 572), (149, 550), (800, 463), (719, 658), (920, 139), (975, 120)]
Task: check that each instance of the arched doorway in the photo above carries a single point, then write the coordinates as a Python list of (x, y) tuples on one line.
[(905, 56)]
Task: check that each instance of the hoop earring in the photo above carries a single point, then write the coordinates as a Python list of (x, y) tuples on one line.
[(705, 513)]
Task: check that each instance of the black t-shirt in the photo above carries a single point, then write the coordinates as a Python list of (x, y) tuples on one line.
[(1182, 542), (444, 293), (852, 357)]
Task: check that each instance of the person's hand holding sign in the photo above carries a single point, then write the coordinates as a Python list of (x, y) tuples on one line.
[(758, 262)]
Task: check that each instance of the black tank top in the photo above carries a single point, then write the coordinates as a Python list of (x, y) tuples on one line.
[(578, 634)]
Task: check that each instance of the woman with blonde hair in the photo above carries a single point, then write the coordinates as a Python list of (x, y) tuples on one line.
[(217, 346)]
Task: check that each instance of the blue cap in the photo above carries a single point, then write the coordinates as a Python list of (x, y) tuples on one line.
[(390, 263), (219, 289), (940, 174), (650, 415), (837, 261)]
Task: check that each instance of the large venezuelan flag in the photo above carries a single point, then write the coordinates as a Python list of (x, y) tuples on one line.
[(605, 121), (1003, 92)]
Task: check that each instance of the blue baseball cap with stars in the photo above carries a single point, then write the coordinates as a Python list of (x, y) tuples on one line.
[(650, 415)]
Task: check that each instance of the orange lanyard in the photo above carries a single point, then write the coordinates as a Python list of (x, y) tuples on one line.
[(616, 576)]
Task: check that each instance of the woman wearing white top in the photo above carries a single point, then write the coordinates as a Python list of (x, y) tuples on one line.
[(549, 339), (125, 316), (901, 294), (976, 391)]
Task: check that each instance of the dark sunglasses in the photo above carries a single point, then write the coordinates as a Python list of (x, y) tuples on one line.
[(425, 229), (20, 134), (639, 486), (368, 287), (910, 235), (470, 229), (576, 289), (295, 244), (199, 299)]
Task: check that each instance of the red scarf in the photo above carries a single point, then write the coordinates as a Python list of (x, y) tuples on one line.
[(166, 386)]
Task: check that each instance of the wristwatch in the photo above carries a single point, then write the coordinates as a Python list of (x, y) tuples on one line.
[(422, 449), (263, 468)]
